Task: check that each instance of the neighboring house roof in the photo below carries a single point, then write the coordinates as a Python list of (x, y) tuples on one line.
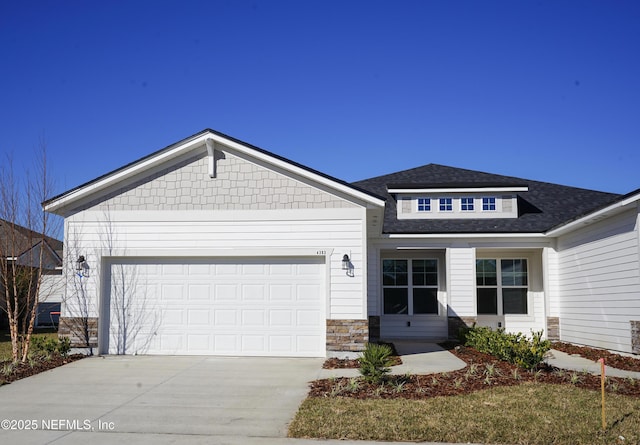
[(16, 241), (541, 208), (68, 198)]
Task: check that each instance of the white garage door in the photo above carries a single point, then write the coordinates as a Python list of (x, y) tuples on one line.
[(260, 307)]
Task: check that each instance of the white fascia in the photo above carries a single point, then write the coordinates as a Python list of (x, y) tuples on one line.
[(598, 215), (463, 235), (203, 139), (124, 174), (460, 190)]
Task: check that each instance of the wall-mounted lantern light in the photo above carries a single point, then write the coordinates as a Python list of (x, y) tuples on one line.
[(346, 265), (345, 262), (82, 268)]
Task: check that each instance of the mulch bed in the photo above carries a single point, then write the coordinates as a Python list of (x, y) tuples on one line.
[(22, 370), (610, 359), (482, 372)]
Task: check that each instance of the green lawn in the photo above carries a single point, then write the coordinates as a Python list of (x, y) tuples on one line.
[(530, 413), (5, 341)]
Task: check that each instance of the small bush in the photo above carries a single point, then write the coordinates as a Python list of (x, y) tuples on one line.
[(46, 347), (375, 362), (514, 348)]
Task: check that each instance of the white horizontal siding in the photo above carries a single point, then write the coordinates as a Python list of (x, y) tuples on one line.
[(599, 282), (461, 281), (552, 281), (374, 282), (332, 233)]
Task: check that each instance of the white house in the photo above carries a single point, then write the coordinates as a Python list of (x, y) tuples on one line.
[(214, 246)]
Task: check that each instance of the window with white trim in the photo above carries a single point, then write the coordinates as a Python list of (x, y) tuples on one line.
[(424, 204), (410, 286), (488, 204), (446, 204), (466, 204), (502, 286)]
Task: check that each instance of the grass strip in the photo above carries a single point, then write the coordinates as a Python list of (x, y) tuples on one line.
[(531, 414)]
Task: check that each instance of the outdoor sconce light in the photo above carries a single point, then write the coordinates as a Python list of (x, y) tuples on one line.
[(82, 268), (346, 265), (345, 262)]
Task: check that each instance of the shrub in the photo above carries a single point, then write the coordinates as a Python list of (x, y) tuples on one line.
[(46, 347), (514, 348), (375, 362)]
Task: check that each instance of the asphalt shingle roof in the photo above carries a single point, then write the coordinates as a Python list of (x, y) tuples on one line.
[(541, 208), (15, 240)]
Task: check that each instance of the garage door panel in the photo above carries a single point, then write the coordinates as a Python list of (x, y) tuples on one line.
[(281, 269), (199, 343), (253, 269), (198, 317), (253, 292), (225, 317), (309, 293), (199, 291), (172, 292), (225, 292), (308, 319), (225, 344), (281, 343), (254, 317), (173, 269), (281, 293), (199, 269), (254, 344), (281, 317)]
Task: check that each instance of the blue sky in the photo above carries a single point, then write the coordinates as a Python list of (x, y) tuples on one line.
[(545, 90)]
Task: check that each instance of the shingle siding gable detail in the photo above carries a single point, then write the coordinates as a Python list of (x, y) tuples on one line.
[(238, 185)]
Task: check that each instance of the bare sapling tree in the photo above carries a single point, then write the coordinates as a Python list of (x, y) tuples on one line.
[(133, 318), (25, 249), (79, 306)]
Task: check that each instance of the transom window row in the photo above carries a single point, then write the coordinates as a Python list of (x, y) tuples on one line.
[(467, 204)]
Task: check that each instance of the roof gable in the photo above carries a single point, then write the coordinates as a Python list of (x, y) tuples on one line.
[(19, 242), (204, 143), (542, 207)]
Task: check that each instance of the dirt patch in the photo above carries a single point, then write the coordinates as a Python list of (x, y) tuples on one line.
[(482, 372)]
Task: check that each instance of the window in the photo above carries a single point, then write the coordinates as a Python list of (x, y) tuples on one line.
[(466, 204), (488, 204), (502, 286), (446, 205), (410, 286), (424, 205)]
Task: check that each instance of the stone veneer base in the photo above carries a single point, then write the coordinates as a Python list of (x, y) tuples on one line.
[(349, 335), (77, 329)]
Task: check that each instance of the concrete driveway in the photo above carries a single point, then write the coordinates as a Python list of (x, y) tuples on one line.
[(152, 399)]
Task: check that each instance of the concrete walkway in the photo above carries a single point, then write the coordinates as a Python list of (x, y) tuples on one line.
[(576, 363)]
